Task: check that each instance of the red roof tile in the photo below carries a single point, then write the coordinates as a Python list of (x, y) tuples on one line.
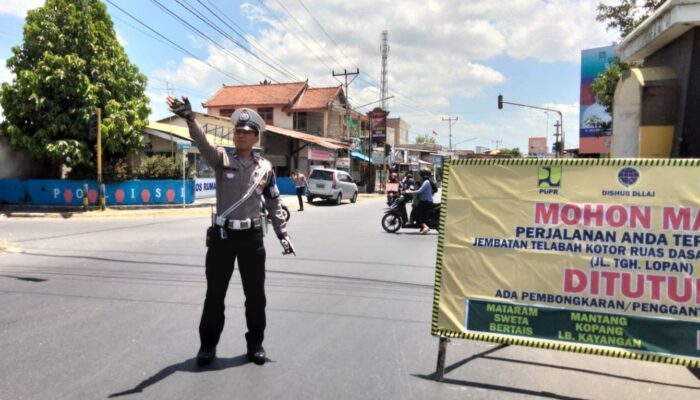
[(256, 95), (316, 98)]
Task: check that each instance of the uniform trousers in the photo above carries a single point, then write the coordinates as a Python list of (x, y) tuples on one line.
[(247, 247), (300, 192)]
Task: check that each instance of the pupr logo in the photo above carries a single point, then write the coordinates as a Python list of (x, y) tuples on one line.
[(549, 179)]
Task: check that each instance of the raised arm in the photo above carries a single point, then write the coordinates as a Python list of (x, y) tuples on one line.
[(183, 109)]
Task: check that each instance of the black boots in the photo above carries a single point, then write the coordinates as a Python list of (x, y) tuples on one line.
[(206, 355), (256, 354)]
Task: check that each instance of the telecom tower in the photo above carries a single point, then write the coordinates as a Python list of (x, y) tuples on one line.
[(385, 82)]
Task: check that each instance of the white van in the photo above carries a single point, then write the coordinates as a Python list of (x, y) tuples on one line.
[(331, 184)]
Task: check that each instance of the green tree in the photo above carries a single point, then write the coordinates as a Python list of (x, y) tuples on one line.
[(163, 167), (627, 15), (425, 139), (514, 152), (624, 17), (70, 63)]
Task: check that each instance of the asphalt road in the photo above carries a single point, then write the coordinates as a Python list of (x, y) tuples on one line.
[(108, 308)]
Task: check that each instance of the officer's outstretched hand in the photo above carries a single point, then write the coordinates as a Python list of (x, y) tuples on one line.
[(180, 108), (286, 245)]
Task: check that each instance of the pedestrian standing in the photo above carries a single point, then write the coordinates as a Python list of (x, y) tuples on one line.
[(301, 183), (237, 228)]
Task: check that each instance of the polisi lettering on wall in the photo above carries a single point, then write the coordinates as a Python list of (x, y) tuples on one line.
[(78, 194), (63, 192)]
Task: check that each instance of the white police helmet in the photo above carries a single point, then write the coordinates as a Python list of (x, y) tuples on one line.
[(248, 120)]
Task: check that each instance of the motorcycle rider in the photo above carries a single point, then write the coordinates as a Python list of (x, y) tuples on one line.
[(425, 197), (393, 183), (407, 181)]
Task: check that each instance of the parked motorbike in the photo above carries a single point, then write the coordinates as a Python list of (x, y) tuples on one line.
[(285, 211), (396, 216)]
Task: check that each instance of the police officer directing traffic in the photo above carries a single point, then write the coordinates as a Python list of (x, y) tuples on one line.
[(237, 228)]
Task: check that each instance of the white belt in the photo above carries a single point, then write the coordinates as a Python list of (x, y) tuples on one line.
[(237, 224)]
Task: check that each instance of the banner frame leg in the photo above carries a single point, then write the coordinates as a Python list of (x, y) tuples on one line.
[(442, 352)]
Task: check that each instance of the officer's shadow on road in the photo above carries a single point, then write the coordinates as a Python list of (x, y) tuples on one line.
[(186, 366)]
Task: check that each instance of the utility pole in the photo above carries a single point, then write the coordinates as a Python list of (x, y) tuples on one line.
[(347, 107), (100, 186), (556, 136), (167, 93), (347, 102), (450, 119), (498, 142)]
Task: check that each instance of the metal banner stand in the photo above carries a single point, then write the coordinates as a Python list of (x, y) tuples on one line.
[(442, 352)]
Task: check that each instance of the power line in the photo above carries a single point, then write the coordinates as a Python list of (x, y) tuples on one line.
[(327, 35), (180, 48), (176, 45), (414, 106), (205, 36), (311, 51), (208, 22), (294, 35), (307, 32), (245, 40)]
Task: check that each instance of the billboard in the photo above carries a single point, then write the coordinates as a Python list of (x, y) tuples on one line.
[(537, 146), (593, 139), (582, 255)]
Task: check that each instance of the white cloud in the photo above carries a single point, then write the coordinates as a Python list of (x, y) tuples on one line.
[(556, 30), (19, 8), (439, 52)]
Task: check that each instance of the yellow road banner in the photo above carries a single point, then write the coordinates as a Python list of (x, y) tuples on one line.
[(594, 256)]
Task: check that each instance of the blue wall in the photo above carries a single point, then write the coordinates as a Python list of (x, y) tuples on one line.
[(286, 185), (61, 192)]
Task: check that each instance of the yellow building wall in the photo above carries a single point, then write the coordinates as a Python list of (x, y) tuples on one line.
[(655, 141)]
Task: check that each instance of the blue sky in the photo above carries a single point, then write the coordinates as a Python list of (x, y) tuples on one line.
[(446, 59)]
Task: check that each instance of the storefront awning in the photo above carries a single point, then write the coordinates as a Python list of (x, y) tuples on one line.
[(181, 134), (317, 140), (359, 156)]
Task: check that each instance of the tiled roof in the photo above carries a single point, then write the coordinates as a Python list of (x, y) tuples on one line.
[(316, 98), (256, 95)]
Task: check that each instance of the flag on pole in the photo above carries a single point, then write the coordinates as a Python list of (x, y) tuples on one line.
[(435, 133)]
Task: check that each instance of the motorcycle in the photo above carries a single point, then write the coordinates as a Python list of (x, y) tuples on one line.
[(392, 192), (285, 211), (396, 216)]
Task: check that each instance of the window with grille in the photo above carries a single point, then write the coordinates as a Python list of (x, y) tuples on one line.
[(300, 121), (266, 114), (226, 112)]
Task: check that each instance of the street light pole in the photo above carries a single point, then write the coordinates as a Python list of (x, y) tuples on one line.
[(561, 118)]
